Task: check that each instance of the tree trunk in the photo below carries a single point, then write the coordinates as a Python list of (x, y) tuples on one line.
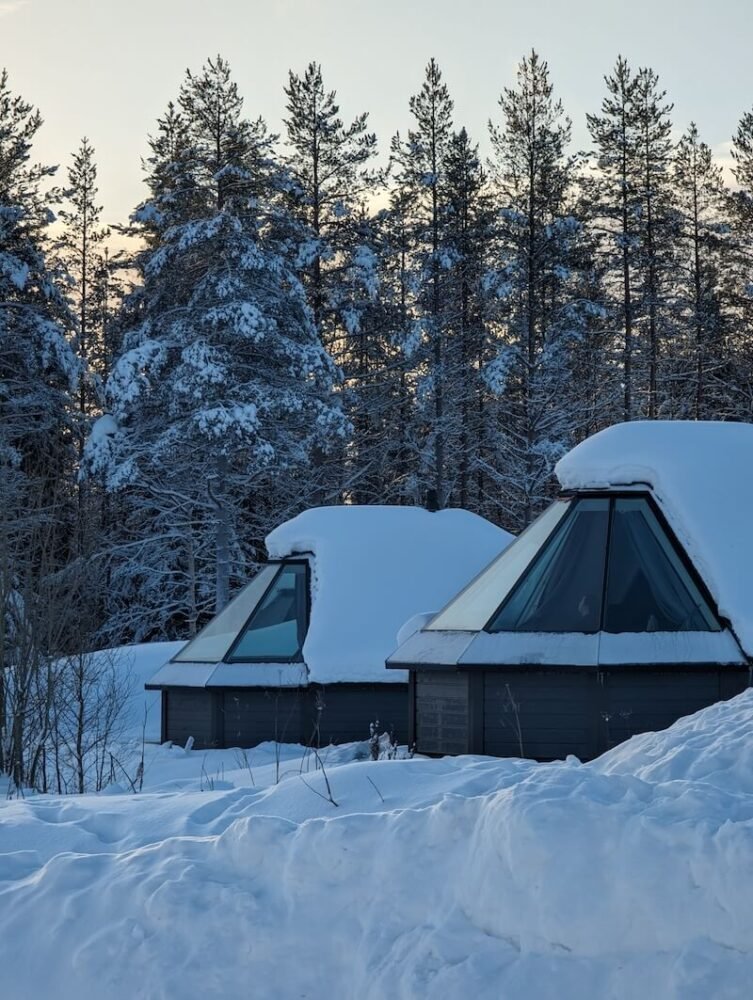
[(222, 536)]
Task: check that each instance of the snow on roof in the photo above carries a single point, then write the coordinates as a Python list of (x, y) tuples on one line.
[(374, 567), (701, 474)]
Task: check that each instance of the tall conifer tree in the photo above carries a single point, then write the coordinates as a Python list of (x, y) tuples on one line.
[(534, 280)]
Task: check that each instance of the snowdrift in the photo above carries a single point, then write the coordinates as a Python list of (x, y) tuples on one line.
[(624, 878)]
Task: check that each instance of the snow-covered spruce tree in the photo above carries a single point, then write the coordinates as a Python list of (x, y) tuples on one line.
[(223, 389), (538, 320), (38, 381), (37, 366)]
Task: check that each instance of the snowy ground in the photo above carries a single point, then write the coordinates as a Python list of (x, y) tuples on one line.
[(455, 878)]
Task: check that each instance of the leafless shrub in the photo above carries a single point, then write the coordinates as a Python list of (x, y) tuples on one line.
[(60, 708), (328, 797), (511, 708)]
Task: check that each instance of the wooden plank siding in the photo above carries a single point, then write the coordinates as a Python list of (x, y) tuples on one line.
[(548, 714), (647, 702), (191, 712), (442, 711), (252, 716), (543, 715), (244, 717), (348, 710)]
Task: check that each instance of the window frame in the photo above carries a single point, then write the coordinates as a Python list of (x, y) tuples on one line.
[(611, 496), (281, 563)]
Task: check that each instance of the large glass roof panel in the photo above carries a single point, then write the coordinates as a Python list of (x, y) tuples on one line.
[(563, 589), (213, 642), (648, 587), (277, 628), (474, 606)]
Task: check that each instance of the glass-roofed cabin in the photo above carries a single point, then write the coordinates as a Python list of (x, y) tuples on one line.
[(298, 655), (623, 607)]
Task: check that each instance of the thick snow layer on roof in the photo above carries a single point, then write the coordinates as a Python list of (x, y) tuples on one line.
[(702, 475), (375, 567), (208, 675), (574, 649)]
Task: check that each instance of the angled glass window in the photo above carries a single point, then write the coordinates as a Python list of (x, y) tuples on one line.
[(216, 638), (648, 587), (276, 629), (563, 589), (473, 606)]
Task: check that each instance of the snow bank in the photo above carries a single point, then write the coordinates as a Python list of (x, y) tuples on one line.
[(374, 567), (624, 878), (702, 476)]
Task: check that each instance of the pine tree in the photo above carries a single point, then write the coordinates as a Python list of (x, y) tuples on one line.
[(632, 209), (328, 164), (82, 250), (702, 244), (330, 183), (419, 165), (222, 388), (396, 328), (380, 457), (469, 223), (616, 209), (533, 278), (655, 255), (739, 264)]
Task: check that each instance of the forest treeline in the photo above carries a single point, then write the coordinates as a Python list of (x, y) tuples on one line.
[(298, 325)]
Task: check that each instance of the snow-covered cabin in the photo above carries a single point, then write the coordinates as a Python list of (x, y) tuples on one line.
[(299, 654), (627, 604)]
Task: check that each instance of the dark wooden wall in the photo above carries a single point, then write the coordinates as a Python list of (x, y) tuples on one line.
[(546, 714), (540, 715), (190, 712), (442, 712), (244, 717)]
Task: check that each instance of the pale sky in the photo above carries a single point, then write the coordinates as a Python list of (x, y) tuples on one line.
[(107, 68)]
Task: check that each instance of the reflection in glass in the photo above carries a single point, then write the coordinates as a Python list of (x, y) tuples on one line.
[(648, 587), (562, 591), (277, 627)]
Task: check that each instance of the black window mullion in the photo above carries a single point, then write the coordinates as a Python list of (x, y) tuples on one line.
[(607, 554), (241, 632)]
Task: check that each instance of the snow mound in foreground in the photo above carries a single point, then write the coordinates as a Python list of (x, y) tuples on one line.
[(714, 746), (627, 877)]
